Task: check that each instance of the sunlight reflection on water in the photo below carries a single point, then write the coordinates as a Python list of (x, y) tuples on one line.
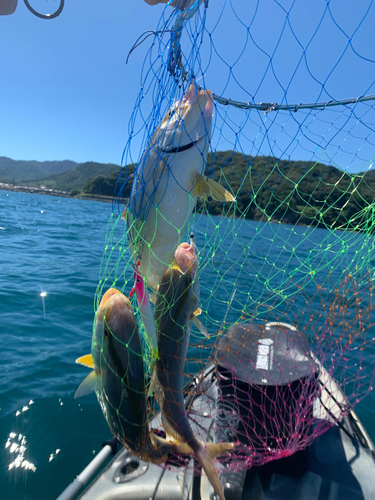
[(16, 444)]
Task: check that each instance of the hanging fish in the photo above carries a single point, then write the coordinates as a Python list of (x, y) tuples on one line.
[(168, 182), (177, 300), (119, 382), (118, 372)]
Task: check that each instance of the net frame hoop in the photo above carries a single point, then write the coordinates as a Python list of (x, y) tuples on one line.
[(267, 107)]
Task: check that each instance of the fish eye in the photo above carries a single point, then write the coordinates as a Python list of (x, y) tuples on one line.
[(106, 332), (171, 112), (138, 280)]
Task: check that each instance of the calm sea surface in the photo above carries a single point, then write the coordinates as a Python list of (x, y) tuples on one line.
[(55, 245)]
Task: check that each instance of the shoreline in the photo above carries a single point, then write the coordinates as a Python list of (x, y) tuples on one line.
[(103, 199), (54, 192)]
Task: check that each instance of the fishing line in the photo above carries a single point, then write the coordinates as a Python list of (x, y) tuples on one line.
[(139, 42)]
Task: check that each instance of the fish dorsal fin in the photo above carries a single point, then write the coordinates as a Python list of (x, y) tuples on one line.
[(86, 361), (198, 323), (203, 188), (88, 385)]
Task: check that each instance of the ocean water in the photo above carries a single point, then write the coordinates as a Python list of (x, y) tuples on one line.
[(54, 247)]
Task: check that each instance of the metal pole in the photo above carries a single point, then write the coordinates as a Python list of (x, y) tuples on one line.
[(87, 473)]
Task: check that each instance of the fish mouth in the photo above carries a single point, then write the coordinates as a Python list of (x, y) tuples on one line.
[(202, 98), (188, 121), (186, 257), (113, 299)]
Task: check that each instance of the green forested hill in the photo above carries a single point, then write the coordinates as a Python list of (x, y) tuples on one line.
[(265, 188), (293, 192), (77, 177), (21, 171), (108, 185)]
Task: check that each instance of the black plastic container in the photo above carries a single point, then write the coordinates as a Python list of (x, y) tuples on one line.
[(267, 387)]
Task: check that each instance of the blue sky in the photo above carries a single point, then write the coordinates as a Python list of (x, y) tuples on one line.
[(66, 91)]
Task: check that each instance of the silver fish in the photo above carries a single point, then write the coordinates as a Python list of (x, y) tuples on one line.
[(168, 181)]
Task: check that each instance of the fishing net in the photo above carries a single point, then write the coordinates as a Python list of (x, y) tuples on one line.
[(285, 270)]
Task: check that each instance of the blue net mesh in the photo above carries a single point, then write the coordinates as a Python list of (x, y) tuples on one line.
[(289, 85)]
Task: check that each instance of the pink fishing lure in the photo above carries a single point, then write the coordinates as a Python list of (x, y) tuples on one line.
[(145, 309)]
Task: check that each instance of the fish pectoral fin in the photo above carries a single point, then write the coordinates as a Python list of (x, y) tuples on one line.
[(201, 187), (198, 323), (86, 361), (88, 385), (218, 192)]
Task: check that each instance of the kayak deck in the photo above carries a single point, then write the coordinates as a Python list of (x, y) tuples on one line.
[(338, 465)]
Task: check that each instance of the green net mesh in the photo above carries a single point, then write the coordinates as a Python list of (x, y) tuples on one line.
[(294, 251)]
